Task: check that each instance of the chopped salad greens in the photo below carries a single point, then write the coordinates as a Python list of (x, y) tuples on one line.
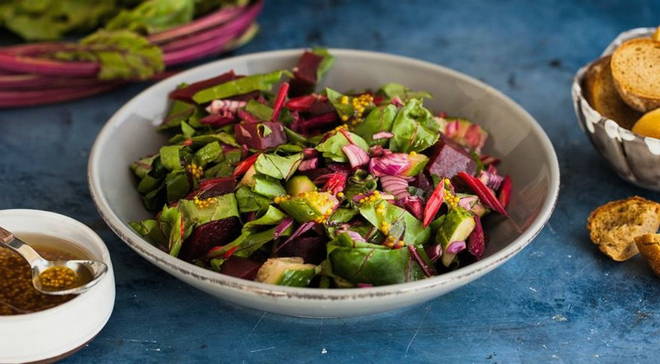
[(266, 179)]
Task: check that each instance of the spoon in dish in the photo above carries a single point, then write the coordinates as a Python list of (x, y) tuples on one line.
[(58, 277)]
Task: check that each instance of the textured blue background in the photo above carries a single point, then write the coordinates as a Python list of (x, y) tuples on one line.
[(559, 300)]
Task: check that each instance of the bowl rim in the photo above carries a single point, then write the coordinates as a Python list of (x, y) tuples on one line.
[(623, 133), (155, 255), (74, 224)]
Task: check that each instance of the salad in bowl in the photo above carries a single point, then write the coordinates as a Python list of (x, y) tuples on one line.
[(267, 177)]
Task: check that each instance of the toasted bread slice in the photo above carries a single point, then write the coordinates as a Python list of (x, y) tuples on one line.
[(636, 71), (614, 226), (601, 94), (649, 246)]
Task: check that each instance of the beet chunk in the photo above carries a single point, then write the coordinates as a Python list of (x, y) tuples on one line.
[(450, 158), (305, 74), (216, 187), (310, 248), (245, 268), (208, 235), (261, 136)]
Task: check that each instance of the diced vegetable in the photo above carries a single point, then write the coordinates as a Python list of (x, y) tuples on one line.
[(286, 272)]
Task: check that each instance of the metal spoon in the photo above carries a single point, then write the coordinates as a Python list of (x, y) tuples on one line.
[(92, 270)]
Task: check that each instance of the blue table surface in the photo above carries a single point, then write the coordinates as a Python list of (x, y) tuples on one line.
[(558, 300)]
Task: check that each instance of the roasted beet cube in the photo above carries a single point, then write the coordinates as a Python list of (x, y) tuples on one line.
[(450, 158), (206, 236), (261, 136), (245, 268), (310, 248)]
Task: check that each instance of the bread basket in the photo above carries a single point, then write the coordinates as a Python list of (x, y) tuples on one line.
[(634, 158)]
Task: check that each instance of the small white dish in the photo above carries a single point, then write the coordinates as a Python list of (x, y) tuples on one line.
[(527, 155), (57, 332)]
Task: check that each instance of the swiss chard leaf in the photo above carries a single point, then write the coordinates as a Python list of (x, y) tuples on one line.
[(122, 54), (331, 147), (260, 82), (209, 153), (414, 128), (360, 262), (346, 110), (379, 119), (402, 224), (277, 166), (253, 236), (261, 111), (224, 207), (326, 63), (170, 157), (268, 186), (391, 90), (248, 201), (153, 16)]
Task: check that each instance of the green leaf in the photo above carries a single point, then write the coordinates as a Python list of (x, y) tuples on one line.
[(177, 185), (150, 230), (391, 90), (170, 157), (379, 119), (294, 137), (224, 207), (187, 130), (260, 82), (222, 137), (179, 112), (414, 129), (345, 111), (122, 55), (261, 111), (342, 215), (331, 147), (208, 153), (375, 264), (153, 16), (248, 201), (360, 183), (38, 20), (268, 186), (402, 225), (326, 63), (277, 166), (172, 225), (143, 166), (252, 238), (297, 277), (148, 184)]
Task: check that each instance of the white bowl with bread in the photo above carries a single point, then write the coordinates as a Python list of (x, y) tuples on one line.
[(617, 102)]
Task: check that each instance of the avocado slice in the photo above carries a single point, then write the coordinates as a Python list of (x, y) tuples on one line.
[(286, 272), (299, 184), (309, 206), (456, 225), (417, 162)]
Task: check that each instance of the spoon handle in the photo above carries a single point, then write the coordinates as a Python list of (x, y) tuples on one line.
[(8, 239), (6, 236)]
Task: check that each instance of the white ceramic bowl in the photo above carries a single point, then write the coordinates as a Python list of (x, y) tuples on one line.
[(59, 331), (526, 151)]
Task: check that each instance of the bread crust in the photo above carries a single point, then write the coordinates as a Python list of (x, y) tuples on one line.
[(649, 246), (601, 93), (640, 100), (614, 225)]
